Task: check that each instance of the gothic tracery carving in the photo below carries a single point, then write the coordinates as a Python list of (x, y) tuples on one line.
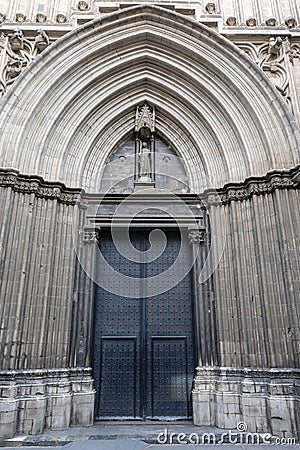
[(274, 58), (17, 52)]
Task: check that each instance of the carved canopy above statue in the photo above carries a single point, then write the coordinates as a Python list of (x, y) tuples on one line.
[(77, 101)]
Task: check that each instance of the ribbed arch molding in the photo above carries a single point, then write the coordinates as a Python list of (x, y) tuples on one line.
[(76, 102)]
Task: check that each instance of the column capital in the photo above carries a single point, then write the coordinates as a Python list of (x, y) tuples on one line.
[(196, 235), (89, 236)]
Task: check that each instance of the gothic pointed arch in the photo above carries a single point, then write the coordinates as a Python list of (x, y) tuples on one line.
[(215, 106)]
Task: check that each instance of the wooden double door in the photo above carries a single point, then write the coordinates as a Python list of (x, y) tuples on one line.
[(143, 346)]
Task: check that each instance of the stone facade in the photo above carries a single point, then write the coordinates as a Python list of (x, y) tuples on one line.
[(224, 78)]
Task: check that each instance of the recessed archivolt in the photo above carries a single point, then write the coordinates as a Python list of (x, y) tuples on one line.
[(77, 100)]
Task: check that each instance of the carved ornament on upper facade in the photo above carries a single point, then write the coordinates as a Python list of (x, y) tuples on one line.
[(41, 18), (210, 8), (61, 18), (16, 40), (145, 118), (82, 5), (275, 45), (271, 22), (39, 188), (41, 40), (231, 21), (18, 52), (294, 52), (262, 186), (291, 22), (251, 22), (272, 57), (20, 17)]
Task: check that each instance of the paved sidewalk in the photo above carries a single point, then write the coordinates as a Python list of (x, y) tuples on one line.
[(141, 436), (138, 445)]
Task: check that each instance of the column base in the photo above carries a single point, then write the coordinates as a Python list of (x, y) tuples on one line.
[(266, 400), (55, 399)]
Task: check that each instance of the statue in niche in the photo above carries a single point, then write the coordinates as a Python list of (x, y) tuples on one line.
[(145, 163), (144, 145)]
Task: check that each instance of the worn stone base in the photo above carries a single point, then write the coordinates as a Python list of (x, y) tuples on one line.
[(266, 400), (34, 400)]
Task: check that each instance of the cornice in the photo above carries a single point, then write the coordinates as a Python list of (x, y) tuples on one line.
[(33, 374), (26, 184), (231, 192), (248, 372)]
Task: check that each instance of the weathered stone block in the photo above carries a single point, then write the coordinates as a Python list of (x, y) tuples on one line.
[(202, 407), (83, 409)]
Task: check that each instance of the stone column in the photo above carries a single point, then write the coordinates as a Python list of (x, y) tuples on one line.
[(152, 150), (84, 291), (136, 160), (83, 397), (197, 239)]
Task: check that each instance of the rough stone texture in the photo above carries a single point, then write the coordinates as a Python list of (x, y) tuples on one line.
[(261, 399), (32, 401)]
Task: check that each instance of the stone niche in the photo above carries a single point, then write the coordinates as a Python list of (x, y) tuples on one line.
[(118, 172)]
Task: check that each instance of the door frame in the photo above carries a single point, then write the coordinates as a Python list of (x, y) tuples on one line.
[(100, 212)]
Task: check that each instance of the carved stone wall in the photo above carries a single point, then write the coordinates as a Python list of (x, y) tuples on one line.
[(248, 24), (68, 11), (38, 294), (239, 143), (118, 172)]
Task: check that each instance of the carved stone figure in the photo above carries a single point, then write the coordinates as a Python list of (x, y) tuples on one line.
[(291, 22), (271, 22), (145, 161), (61, 18), (210, 8), (2, 17), (231, 21), (16, 39), (14, 67), (83, 6), (41, 40), (274, 45), (251, 22), (41, 18), (20, 17)]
